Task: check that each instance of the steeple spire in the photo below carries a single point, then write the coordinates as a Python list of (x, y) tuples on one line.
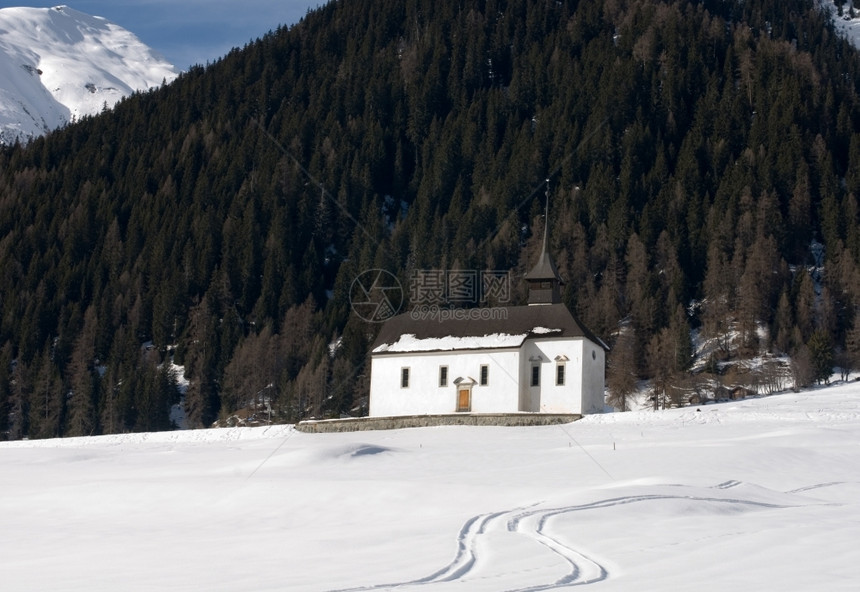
[(546, 220), (544, 281)]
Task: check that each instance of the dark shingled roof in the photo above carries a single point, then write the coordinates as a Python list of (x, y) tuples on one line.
[(514, 320), (545, 268)]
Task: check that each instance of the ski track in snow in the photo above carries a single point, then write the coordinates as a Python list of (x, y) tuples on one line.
[(536, 523), (817, 486)]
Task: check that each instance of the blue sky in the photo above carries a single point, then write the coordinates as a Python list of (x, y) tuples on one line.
[(191, 32)]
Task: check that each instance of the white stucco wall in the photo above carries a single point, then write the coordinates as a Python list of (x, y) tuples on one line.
[(425, 396), (549, 397), (509, 389), (593, 378)]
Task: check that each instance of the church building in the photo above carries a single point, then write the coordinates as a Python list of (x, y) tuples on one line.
[(535, 358)]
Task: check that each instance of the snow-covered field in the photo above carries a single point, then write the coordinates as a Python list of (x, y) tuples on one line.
[(762, 494)]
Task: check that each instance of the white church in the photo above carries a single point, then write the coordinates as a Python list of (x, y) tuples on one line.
[(530, 359)]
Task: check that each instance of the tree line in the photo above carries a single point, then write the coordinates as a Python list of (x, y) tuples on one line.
[(704, 156)]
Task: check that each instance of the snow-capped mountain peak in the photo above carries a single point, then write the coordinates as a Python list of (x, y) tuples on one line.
[(59, 64)]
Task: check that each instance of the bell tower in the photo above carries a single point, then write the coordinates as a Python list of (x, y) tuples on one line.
[(543, 279)]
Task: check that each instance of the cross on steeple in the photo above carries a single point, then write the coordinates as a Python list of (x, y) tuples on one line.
[(543, 280)]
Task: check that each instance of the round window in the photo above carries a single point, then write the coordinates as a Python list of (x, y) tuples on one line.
[(593, 355)]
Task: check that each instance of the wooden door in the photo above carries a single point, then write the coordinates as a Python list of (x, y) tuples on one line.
[(463, 400)]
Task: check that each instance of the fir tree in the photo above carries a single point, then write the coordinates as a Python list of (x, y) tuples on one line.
[(821, 356)]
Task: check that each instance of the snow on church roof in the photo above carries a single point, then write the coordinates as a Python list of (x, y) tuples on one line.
[(409, 343), (510, 327)]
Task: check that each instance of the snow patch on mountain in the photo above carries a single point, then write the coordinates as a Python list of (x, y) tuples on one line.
[(58, 65), (847, 23)]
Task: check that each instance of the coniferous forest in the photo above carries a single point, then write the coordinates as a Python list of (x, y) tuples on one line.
[(704, 165)]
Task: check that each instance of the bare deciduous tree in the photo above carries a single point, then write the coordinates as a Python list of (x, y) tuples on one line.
[(621, 369)]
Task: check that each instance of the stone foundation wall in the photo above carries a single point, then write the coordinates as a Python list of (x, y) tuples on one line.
[(420, 421)]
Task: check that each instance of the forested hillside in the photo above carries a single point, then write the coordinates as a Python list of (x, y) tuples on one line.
[(696, 151)]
